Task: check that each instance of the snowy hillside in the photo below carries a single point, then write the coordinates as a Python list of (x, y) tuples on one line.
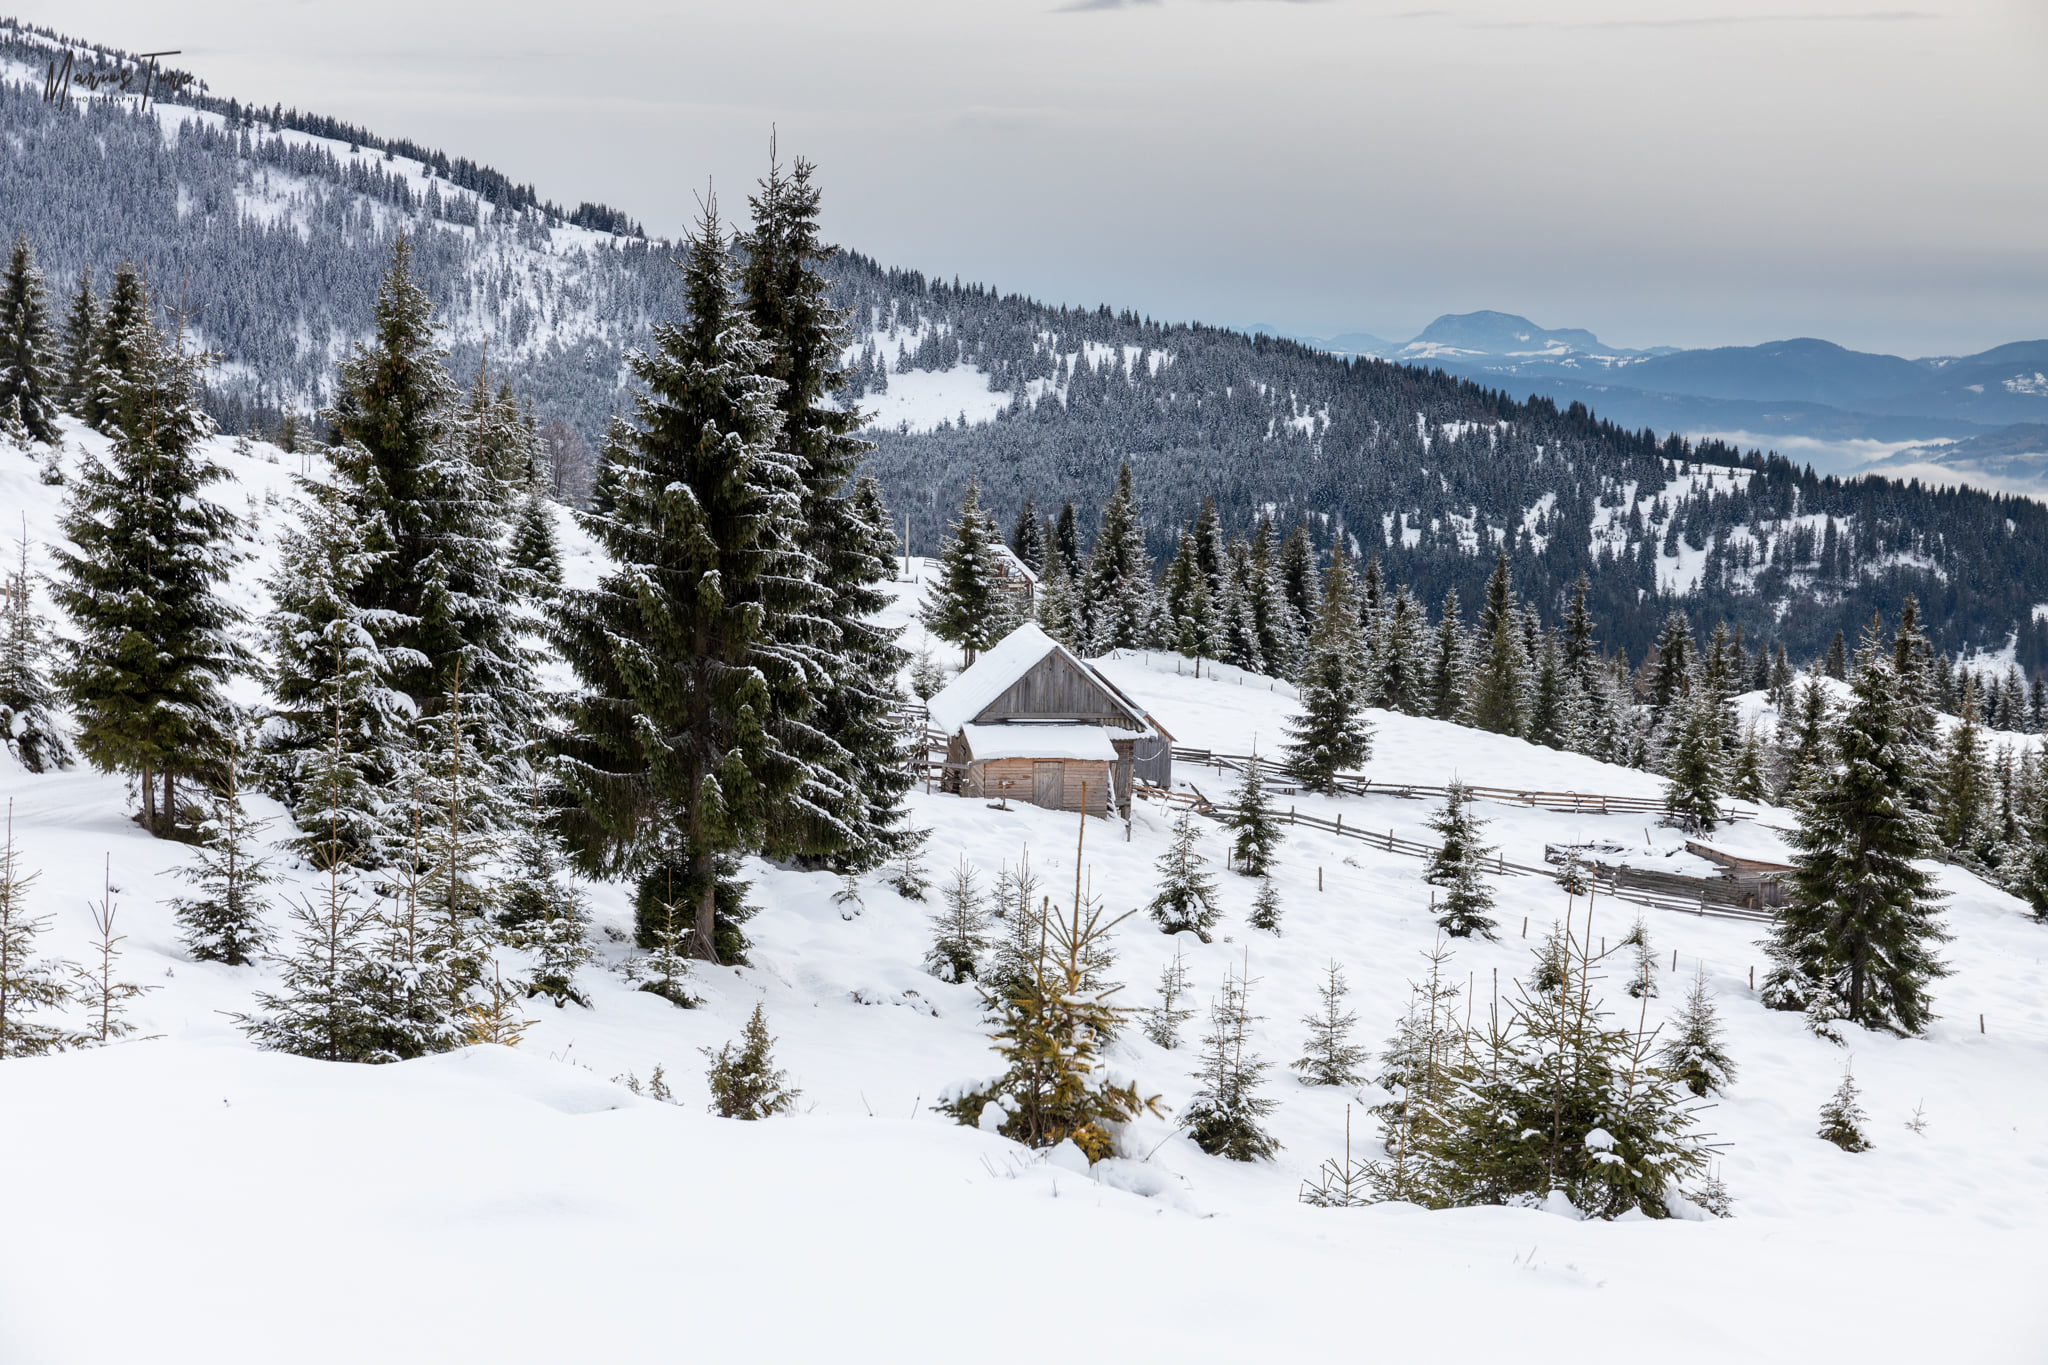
[(184, 1197)]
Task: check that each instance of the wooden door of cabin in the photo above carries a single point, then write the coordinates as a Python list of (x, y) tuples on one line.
[(1048, 784)]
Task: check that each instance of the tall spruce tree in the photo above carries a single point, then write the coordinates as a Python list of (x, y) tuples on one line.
[(28, 401), (114, 358), (1332, 735), (1500, 685), (1858, 940), (969, 604), (1118, 585), (80, 346), (1027, 537), (1190, 614), (668, 751), (836, 699), (1449, 666), (1694, 767), (154, 644)]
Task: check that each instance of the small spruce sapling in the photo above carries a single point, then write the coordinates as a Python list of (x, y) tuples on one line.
[(909, 877), (847, 897), (1642, 977), (1163, 1021), (926, 676), (1331, 1058), (28, 985), (1256, 832), (1694, 1056), (497, 1017), (1455, 868), (745, 1084), (104, 999), (960, 932), (1842, 1118), (665, 968), (1266, 909), (1186, 902), (1225, 1116), (224, 921)]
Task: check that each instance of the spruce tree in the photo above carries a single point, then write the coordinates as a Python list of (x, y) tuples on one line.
[(80, 346), (1694, 1055), (1237, 613), (666, 747), (1836, 664), (1027, 537), (1118, 585), (1163, 1021), (102, 997), (1280, 639), (1300, 588), (1225, 1117), (1962, 790), (534, 559), (1454, 869), (542, 911), (28, 701), (116, 363), (1400, 662), (835, 698), (1052, 1024), (1693, 764), (330, 1001), (1842, 1117), (1265, 911), (1330, 1057), (1501, 677), (28, 403), (1186, 900), (746, 1084), (1671, 674), (1449, 671), (1059, 604), (960, 931), (1191, 624), (1066, 542), (1256, 831), (224, 921), (1642, 976), (1859, 938), (1332, 735), (154, 643), (968, 604), (2027, 874), (29, 985), (338, 731)]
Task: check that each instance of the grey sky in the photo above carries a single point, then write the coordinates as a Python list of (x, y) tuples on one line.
[(1679, 172)]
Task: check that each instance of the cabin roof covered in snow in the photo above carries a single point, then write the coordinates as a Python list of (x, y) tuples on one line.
[(1027, 740), (982, 684)]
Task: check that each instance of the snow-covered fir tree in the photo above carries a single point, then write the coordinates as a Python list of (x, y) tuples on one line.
[(1190, 624), (960, 929), (224, 920), (147, 553), (907, 874), (1859, 939), (1330, 1057), (540, 907), (115, 360), (1842, 1117), (1255, 830), (745, 1083), (1226, 1115), (1332, 735), (1642, 975), (1463, 897), (1186, 900), (30, 986), (1029, 538), (1693, 759), (1499, 699), (534, 558), (28, 700), (1694, 1055), (969, 604), (1265, 912), (1237, 612), (331, 995), (78, 346), (1117, 590), (1399, 667), (667, 753), (1163, 1021), (1449, 664), (28, 398)]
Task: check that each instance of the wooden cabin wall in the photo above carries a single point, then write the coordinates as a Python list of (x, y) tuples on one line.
[(1054, 689), (985, 779)]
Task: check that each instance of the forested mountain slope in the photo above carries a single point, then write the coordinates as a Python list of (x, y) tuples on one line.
[(274, 227)]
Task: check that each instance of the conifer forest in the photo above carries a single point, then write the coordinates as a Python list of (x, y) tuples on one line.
[(540, 750)]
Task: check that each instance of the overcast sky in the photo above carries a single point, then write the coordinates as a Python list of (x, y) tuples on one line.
[(1676, 172)]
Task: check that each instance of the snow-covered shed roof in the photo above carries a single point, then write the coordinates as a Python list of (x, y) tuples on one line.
[(1016, 565), (1079, 742), (984, 681)]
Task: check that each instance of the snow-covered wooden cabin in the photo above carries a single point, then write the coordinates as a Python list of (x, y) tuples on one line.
[(1031, 720), (1018, 578)]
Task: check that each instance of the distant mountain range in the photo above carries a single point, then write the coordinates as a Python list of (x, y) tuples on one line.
[(1806, 389)]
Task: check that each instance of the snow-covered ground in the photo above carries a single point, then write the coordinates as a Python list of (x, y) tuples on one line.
[(184, 1197)]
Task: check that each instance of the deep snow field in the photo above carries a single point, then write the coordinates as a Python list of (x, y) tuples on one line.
[(185, 1197)]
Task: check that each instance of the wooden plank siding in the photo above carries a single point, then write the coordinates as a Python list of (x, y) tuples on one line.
[(1054, 689), (985, 779)]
